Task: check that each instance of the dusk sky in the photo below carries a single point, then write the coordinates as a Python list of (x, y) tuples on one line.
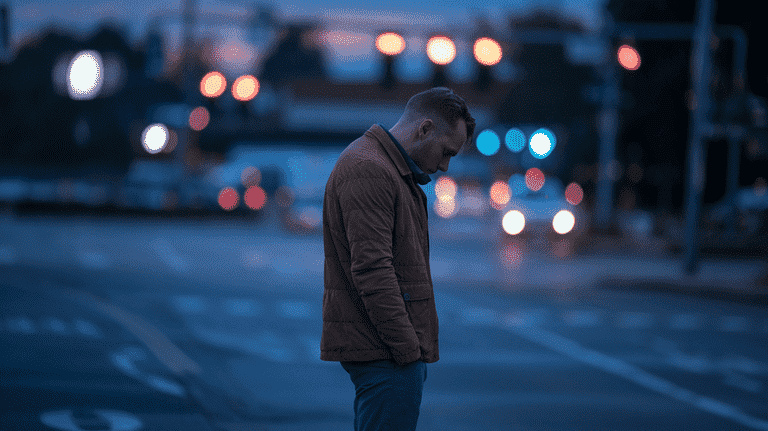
[(29, 16)]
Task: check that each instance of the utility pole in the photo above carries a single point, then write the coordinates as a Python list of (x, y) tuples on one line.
[(188, 83), (700, 129)]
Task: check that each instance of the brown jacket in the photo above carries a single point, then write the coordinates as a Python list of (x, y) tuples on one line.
[(378, 301)]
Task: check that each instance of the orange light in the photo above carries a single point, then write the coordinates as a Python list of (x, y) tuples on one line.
[(534, 179), (213, 84), (198, 118), (487, 51), (390, 43), (441, 50), (629, 58), (445, 189), (574, 194), (499, 194), (228, 198), (245, 88)]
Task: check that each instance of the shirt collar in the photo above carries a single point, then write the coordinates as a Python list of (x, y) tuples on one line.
[(420, 176)]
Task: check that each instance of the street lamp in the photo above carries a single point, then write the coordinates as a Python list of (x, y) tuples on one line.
[(390, 44), (441, 51)]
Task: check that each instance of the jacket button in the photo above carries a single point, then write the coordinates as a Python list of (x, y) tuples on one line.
[(406, 296)]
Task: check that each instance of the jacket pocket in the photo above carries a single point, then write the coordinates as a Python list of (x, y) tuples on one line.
[(415, 290)]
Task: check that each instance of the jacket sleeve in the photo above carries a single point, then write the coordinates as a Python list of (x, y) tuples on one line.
[(368, 214)]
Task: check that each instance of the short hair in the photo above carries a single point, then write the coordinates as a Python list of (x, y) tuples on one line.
[(442, 102)]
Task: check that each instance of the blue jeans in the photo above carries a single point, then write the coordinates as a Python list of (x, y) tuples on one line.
[(387, 395)]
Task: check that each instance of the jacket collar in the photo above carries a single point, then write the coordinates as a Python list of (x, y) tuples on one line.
[(405, 165)]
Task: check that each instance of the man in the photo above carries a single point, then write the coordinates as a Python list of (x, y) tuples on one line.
[(379, 316)]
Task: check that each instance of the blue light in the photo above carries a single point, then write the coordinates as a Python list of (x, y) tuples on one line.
[(488, 142), (542, 143), (515, 140)]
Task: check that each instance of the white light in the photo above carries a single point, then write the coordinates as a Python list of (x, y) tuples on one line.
[(563, 222), (540, 143), (85, 75), (154, 138), (513, 222)]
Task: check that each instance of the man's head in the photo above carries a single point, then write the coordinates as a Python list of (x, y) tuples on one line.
[(433, 128)]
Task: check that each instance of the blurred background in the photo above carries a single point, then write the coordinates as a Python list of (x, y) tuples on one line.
[(163, 157)]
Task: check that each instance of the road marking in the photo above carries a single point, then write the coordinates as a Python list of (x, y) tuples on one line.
[(295, 309), (526, 318), (634, 320), (169, 255), (242, 307), (21, 324), (57, 326), (582, 318), (94, 260), (685, 322), (188, 304), (630, 372), (733, 324), (7, 255), (165, 351), (87, 328)]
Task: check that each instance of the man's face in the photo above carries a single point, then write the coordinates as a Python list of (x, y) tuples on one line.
[(434, 150)]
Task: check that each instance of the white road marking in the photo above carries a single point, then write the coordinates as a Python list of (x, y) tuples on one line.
[(57, 326), (125, 360), (7, 255), (242, 307), (87, 328), (643, 378), (295, 309), (685, 322), (634, 320), (582, 318), (169, 255), (94, 260), (187, 304), (733, 324), (21, 324), (526, 318)]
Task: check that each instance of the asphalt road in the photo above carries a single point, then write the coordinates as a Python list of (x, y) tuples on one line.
[(128, 325)]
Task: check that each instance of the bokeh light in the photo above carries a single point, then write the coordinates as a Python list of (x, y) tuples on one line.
[(488, 142), (173, 140), (228, 198), (542, 143), (445, 188), (441, 50), (574, 194), (86, 75), (512, 255), (311, 216), (245, 88), (198, 118), (250, 176), (513, 222), (499, 194), (563, 222), (390, 43), (534, 179), (255, 198), (487, 51), (629, 58), (515, 140), (154, 138), (213, 84), (446, 207), (284, 196)]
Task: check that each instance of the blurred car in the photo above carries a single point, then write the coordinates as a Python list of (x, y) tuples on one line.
[(292, 176), (541, 211)]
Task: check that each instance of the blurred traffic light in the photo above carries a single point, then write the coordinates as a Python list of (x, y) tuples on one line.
[(441, 51), (390, 44), (628, 57)]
